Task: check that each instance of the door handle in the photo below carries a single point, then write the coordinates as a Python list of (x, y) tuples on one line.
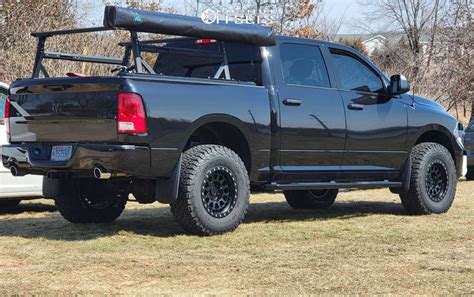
[(355, 106), (292, 102)]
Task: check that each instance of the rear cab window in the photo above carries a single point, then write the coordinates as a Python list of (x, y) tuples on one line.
[(209, 59)]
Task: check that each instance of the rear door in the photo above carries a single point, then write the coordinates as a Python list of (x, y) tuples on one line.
[(376, 123), (311, 114)]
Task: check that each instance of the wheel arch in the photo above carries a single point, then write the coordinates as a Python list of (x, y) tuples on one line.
[(221, 129), (438, 134)]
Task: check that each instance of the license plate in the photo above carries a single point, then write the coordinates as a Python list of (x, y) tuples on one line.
[(61, 153)]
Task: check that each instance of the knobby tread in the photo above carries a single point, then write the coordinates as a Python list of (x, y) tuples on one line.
[(72, 209), (413, 201), (183, 209)]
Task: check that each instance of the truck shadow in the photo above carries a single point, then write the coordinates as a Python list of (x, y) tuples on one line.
[(160, 223)]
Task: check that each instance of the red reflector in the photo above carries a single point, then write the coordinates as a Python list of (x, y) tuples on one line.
[(7, 108), (205, 41), (131, 117)]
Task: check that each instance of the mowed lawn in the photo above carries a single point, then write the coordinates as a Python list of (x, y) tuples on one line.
[(363, 244)]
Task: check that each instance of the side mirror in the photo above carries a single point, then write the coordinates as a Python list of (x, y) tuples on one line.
[(398, 85)]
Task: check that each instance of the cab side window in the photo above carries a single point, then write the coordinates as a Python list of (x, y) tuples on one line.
[(303, 65), (354, 74)]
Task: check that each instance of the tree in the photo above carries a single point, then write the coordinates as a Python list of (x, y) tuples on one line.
[(355, 43), (456, 56), (20, 19), (413, 17)]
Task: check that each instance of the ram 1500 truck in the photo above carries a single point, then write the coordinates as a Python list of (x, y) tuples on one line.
[(224, 110)]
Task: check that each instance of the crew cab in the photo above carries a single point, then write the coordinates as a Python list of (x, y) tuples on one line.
[(223, 111)]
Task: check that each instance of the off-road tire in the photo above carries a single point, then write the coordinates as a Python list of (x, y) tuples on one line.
[(470, 175), (417, 200), (72, 201), (192, 207), (306, 199), (8, 204)]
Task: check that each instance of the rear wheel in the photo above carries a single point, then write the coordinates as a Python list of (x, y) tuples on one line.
[(6, 204), (433, 180), (311, 199), (214, 191), (86, 201)]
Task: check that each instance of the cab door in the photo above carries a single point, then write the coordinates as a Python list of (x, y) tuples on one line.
[(311, 115), (376, 123)]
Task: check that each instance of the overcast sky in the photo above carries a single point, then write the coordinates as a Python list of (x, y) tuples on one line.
[(91, 12)]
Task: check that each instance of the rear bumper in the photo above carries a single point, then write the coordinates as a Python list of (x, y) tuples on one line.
[(35, 159)]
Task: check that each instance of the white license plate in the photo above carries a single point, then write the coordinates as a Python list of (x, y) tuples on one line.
[(61, 152)]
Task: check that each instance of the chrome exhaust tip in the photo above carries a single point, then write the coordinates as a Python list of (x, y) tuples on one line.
[(100, 174)]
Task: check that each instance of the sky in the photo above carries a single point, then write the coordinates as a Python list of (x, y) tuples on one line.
[(92, 12)]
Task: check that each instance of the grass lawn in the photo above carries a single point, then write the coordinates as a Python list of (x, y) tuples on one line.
[(364, 244)]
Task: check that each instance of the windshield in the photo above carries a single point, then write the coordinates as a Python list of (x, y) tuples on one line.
[(470, 127)]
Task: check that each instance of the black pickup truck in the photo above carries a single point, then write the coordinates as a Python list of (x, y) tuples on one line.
[(224, 110)]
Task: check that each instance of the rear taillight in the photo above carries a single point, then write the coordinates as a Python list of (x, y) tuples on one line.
[(7, 117), (131, 117)]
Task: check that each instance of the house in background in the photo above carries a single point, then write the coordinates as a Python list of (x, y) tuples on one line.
[(374, 43), (377, 41)]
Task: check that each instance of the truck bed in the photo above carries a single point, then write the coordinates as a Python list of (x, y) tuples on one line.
[(81, 113)]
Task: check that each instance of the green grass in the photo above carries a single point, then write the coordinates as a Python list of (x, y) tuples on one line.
[(364, 244)]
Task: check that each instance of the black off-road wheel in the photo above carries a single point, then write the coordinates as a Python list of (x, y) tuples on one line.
[(214, 191), (433, 180), (9, 204), (88, 201), (311, 199)]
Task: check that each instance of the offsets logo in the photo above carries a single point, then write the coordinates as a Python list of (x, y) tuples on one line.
[(210, 16)]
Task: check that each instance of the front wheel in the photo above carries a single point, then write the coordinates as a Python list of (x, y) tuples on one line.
[(214, 191), (311, 199), (433, 180), (85, 201)]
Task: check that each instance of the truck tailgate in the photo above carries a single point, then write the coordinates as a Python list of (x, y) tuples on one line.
[(63, 110)]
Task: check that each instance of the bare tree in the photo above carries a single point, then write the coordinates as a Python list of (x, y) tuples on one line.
[(413, 17)]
